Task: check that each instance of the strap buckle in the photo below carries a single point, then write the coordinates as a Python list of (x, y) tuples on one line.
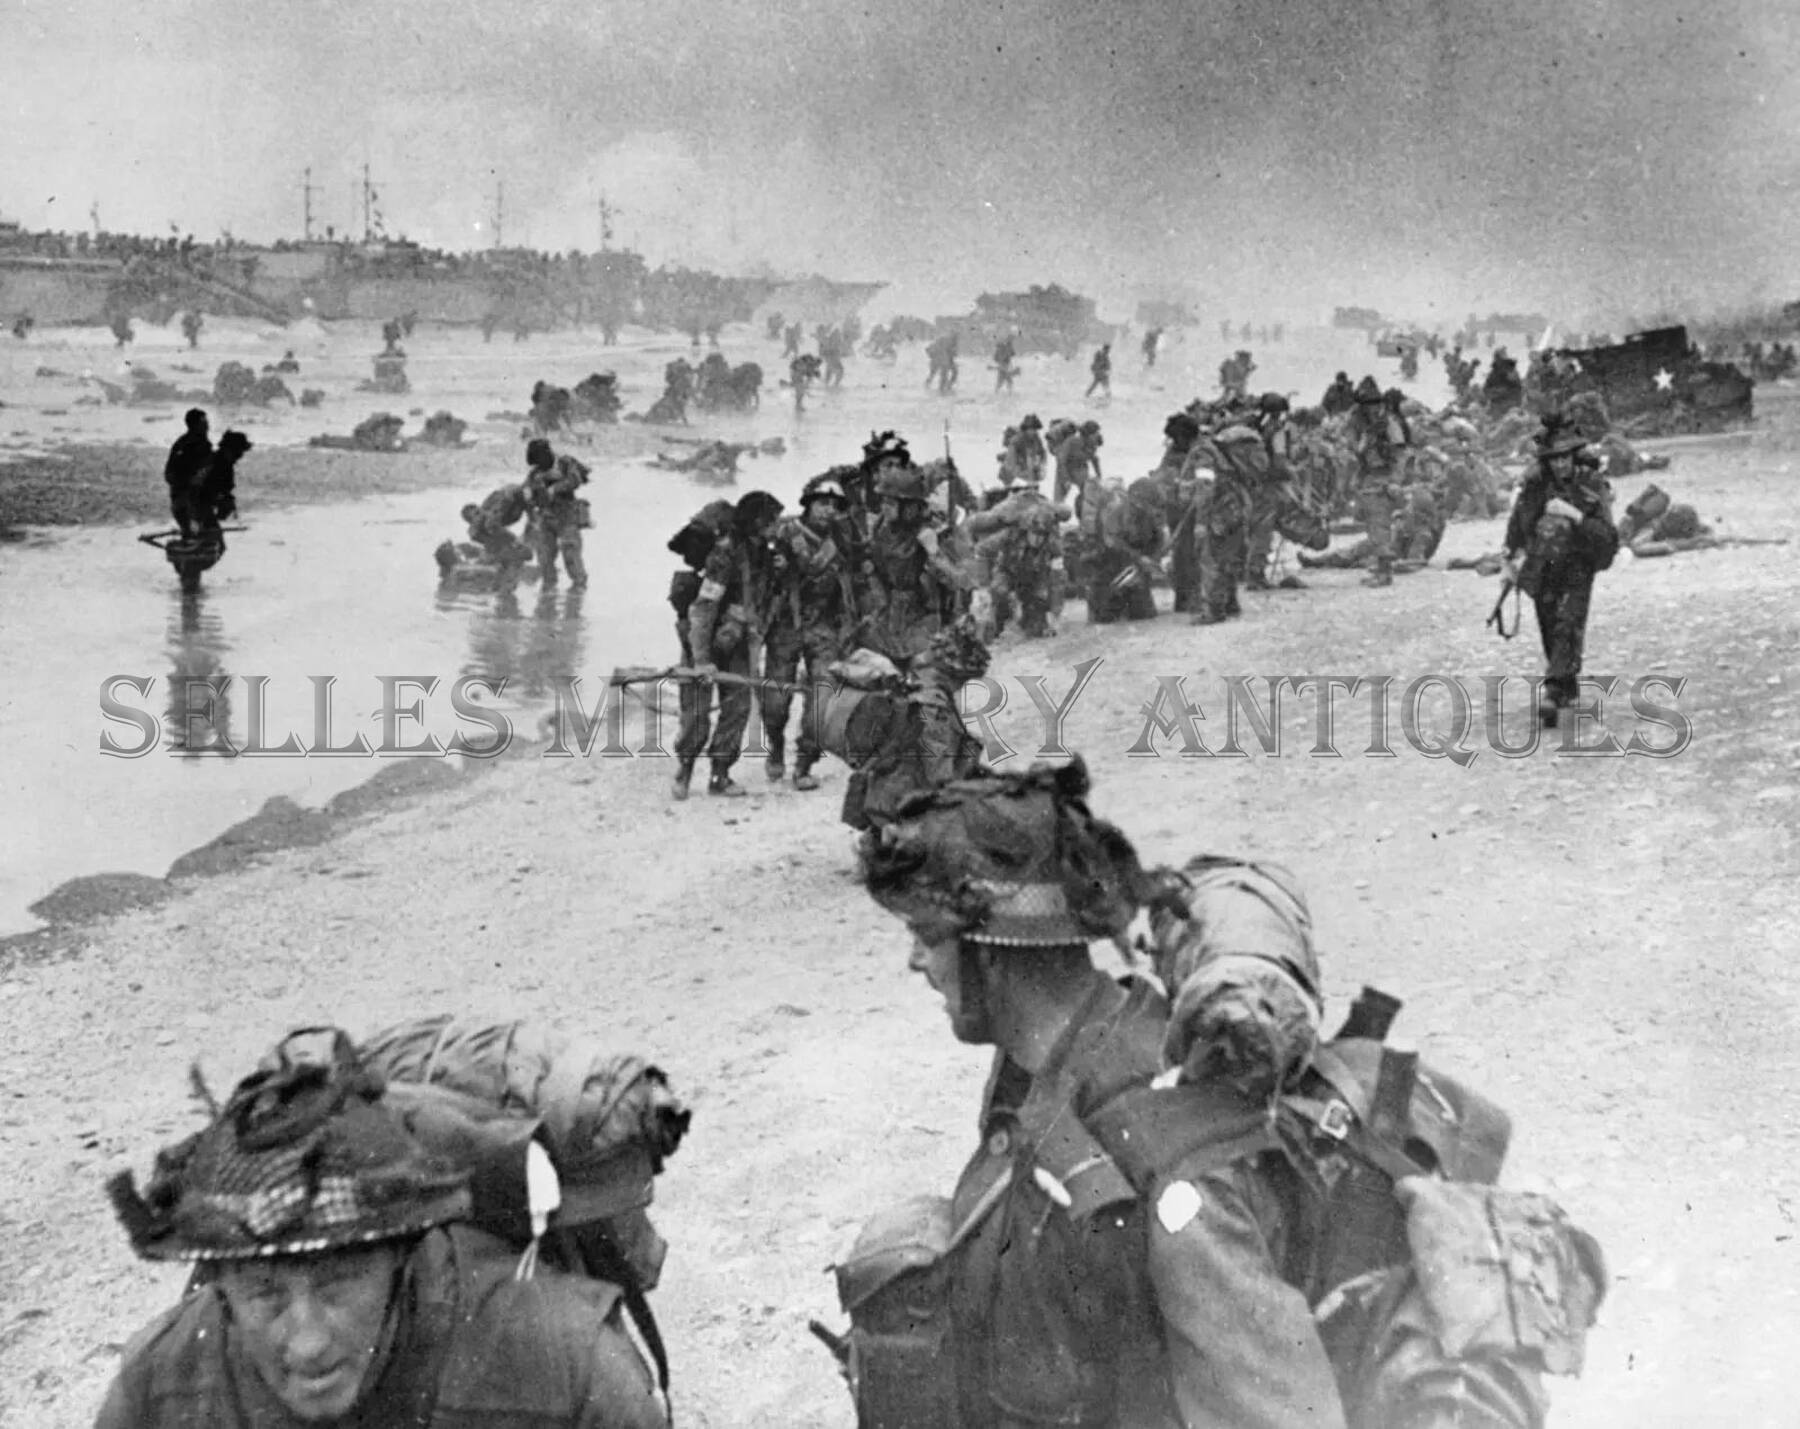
[(1335, 1120)]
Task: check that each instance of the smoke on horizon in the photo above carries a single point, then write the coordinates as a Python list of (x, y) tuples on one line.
[(1429, 157)]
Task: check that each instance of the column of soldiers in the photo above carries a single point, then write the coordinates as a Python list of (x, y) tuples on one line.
[(872, 561)]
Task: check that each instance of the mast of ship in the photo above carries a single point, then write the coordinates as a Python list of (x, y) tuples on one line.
[(307, 191), (499, 212), (606, 228), (368, 205)]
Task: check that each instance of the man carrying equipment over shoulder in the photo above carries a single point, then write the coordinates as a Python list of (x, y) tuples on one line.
[(1176, 1217), (340, 1282)]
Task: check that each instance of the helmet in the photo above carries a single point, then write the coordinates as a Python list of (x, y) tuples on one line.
[(1031, 422), (754, 508), (307, 1156), (1367, 391), (823, 488), (470, 511), (901, 484), (1090, 429), (1181, 429), (1272, 404), (538, 452)]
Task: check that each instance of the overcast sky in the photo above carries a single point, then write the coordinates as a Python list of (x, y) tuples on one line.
[(1425, 156)]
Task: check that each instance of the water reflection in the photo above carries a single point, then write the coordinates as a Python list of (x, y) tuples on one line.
[(197, 720), (530, 652)]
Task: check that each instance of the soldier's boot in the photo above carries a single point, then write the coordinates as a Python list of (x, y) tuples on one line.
[(722, 785), (1256, 580), (1290, 583), (1548, 711), (1381, 575), (1208, 616), (684, 776), (1232, 608), (803, 775), (775, 766)]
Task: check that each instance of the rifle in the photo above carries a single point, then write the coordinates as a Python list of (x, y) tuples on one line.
[(1497, 616), (839, 1345), (626, 675)]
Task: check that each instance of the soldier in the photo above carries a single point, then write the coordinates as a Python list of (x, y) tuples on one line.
[(723, 630), (338, 1280), (1186, 1210), (1152, 338), (187, 463), (1026, 457), (1418, 530), (1122, 558), (1239, 463), (1005, 351), (803, 371), (1177, 484), (1077, 461), (1340, 396), (790, 342), (215, 495), (1069, 1294), (908, 582), (831, 351), (557, 514), (1018, 539), (1102, 371), (490, 526), (191, 323), (813, 612), (1560, 534), (1378, 435), (1266, 495)]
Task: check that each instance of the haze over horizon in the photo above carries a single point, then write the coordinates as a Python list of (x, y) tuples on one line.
[(1427, 157)]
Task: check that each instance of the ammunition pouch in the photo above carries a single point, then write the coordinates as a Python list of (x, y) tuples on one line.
[(1503, 1273), (728, 634), (1552, 543), (684, 590), (895, 1286)]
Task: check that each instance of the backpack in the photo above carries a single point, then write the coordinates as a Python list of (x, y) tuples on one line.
[(694, 541), (481, 1095)]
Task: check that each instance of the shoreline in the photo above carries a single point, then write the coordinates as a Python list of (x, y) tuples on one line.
[(88, 484)]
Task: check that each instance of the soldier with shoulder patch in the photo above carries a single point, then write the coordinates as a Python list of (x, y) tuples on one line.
[(1065, 1292), (1187, 1210)]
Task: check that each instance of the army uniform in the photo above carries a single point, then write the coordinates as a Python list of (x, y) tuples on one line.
[(907, 581), (811, 615), (1240, 462), (490, 526), (1021, 554), (1165, 1226), (342, 1281), (184, 471), (1378, 436), (556, 514), (1129, 535), (1559, 565), (1077, 461), (724, 627)]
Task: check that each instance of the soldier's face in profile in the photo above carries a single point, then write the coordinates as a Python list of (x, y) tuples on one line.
[(940, 959), (311, 1325)]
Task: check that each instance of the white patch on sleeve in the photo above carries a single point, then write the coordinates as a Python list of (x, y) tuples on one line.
[(712, 590), (1177, 1206)]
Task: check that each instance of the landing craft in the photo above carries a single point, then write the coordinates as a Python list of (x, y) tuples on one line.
[(1657, 384)]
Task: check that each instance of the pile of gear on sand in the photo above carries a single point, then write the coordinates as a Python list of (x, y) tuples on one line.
[(382, 433)]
